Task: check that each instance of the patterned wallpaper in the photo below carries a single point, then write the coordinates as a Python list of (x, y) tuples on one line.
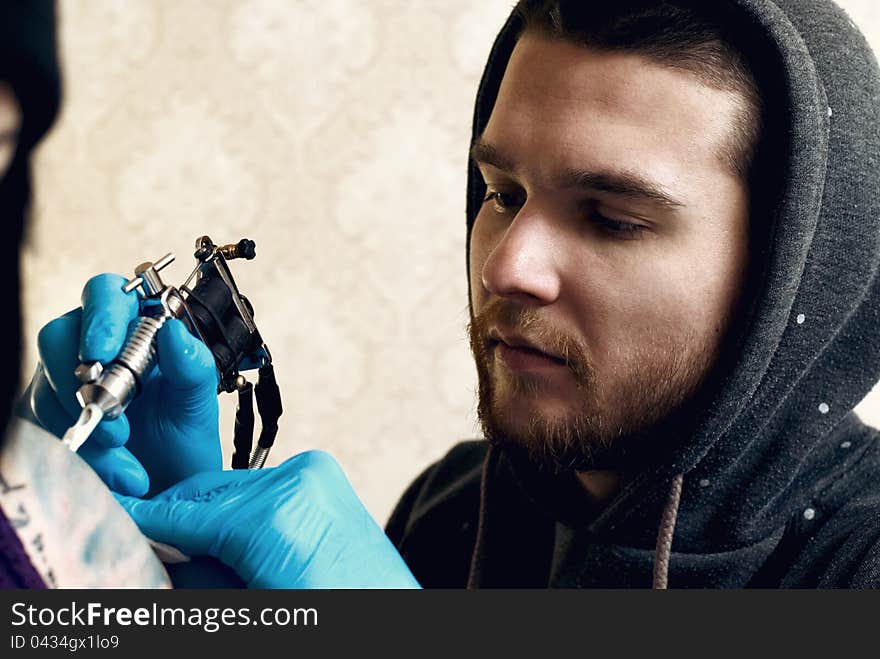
[(334, 134)]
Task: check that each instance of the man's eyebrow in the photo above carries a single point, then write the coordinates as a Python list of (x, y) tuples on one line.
[(620, 183), (485, 153)]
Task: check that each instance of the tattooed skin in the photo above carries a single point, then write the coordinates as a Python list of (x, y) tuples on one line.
[(73, 530)]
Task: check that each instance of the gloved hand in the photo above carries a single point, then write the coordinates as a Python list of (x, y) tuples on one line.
[(298, 525), (170, 431)]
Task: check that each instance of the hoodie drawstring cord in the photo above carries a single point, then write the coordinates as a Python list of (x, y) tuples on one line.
[(665, 532)]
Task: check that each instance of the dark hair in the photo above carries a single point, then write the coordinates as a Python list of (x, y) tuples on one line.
[(15, 194), (29, 64), (675, 33)]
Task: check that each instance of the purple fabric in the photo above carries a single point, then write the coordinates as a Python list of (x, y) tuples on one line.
[(16, 570)]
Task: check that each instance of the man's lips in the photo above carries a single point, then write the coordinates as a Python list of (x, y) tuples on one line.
[(520, 354)]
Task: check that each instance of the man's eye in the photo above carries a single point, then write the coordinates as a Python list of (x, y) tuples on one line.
[(616, 228), (503, 202)]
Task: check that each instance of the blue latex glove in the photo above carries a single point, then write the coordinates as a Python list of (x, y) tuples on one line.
[(298, 525), (170, 431)]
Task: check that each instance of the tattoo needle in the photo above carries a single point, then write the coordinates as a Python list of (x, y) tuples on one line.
[(80, 431)]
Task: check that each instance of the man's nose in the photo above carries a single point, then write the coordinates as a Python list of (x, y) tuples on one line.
[(523, 264)]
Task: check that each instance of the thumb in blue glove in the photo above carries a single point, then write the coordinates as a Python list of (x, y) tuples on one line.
[(298, 525), (175, 420)]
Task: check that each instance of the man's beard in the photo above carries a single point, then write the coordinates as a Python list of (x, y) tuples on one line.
[(608, 417)]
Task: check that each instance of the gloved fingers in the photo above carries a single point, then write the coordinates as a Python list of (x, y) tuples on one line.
[(23, 406), (107, 311), (54, 403), (49, 413), (117, 467), (112, 433), (202, 486), (203, 572), (187, 525), (57, 344), (318, 466), (185, 361)]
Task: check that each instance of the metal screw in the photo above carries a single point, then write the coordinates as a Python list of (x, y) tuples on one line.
[(148, 275)]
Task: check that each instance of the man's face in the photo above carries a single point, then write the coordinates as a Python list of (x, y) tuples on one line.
[(607, 258)]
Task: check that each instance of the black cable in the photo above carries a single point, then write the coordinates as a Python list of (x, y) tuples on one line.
[(269, 405)]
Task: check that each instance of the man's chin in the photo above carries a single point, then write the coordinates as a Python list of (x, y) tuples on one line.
[(553, 459), (548, 439), (523, 402)]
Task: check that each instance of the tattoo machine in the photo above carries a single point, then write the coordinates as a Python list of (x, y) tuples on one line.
[(212, 308)]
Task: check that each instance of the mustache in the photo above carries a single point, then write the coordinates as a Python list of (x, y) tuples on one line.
[(511, 317)]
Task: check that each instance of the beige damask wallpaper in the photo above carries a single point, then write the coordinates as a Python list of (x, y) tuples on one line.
[(333, 133)]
